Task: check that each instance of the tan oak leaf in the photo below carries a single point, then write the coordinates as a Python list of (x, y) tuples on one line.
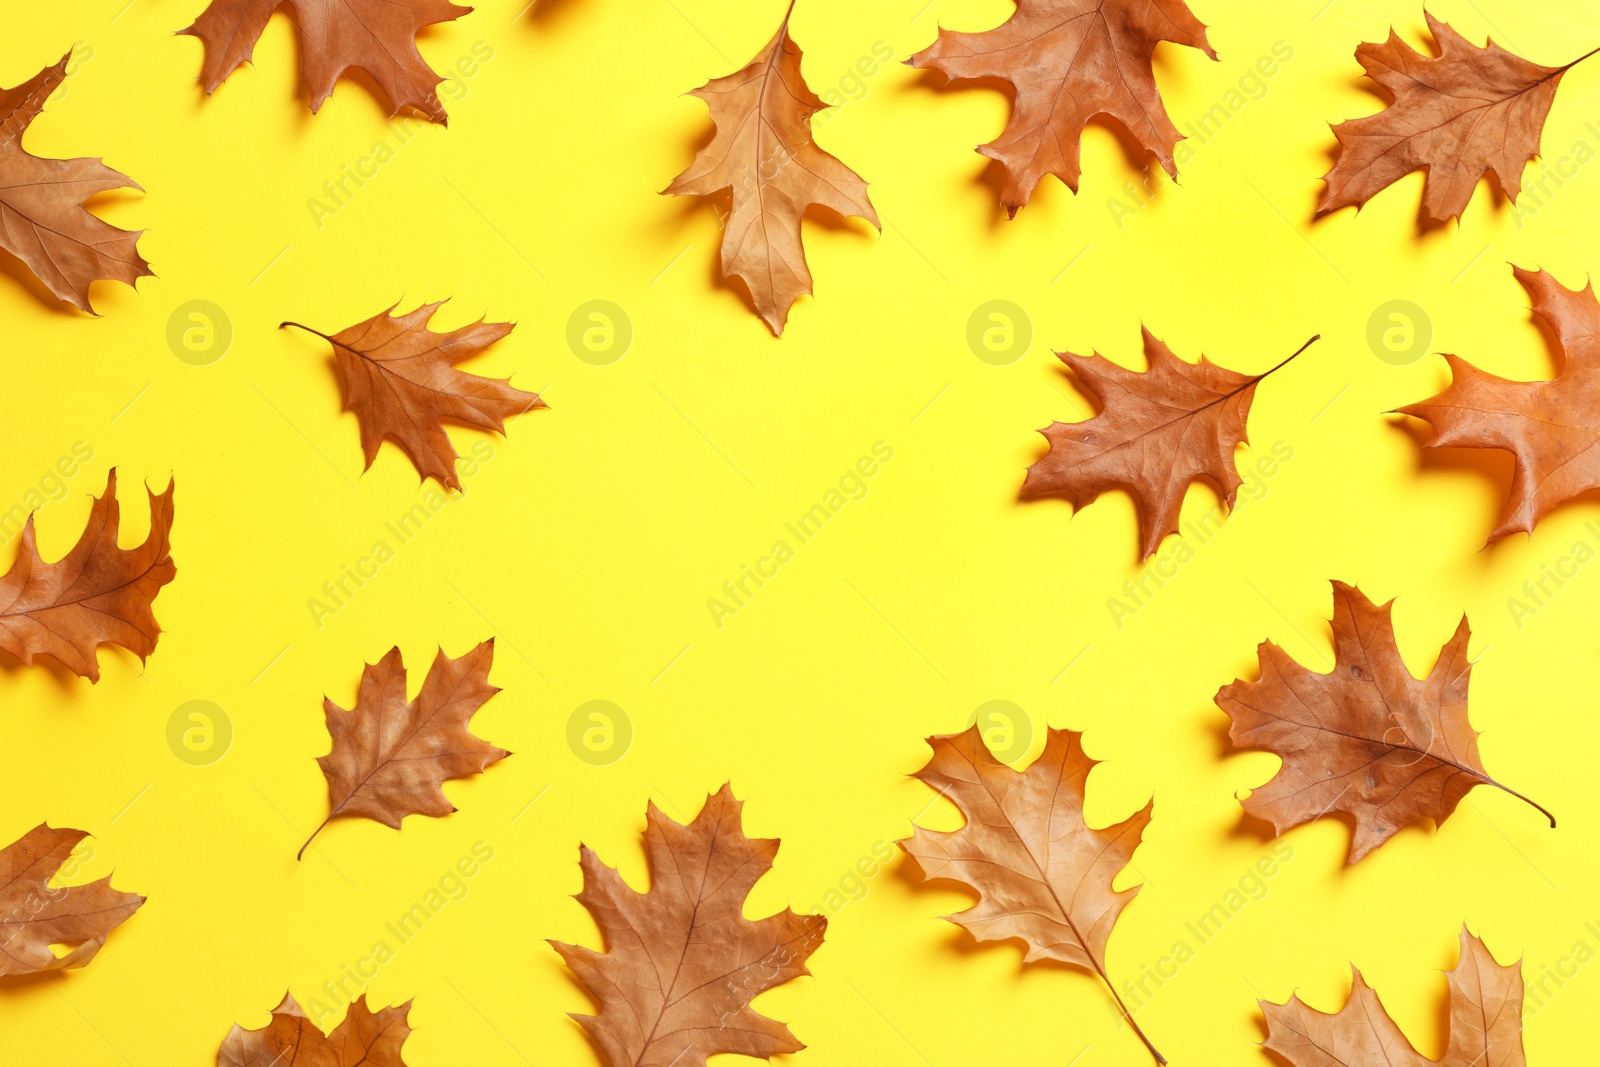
[(1466, 113), (682, 962), (1068, 61), (35, 915), (43, 221), (390, 756), (1368, 739), (1158, 431), (1043, 875), (362, 1039), (764, 156), (377, 37), (97, 594), (400, 379), (1485, 1022), (1551, 429)]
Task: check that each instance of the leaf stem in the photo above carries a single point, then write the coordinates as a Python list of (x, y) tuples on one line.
[(1286, 362), (1580, 59), (1526, 800), (319, 333), (1128, 1015), (299, 855)]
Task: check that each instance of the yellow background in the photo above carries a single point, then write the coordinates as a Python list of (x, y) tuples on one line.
[(591, 542)]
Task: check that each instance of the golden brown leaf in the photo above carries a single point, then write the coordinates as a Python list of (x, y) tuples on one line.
[(1469, 112), (1368, 739), (1042, 874), (390, 757), (362, 1039), (1552, 429), (98, 594), (42, 218), (378, 37), (1158, 431), (399, 378), (1485, 1022), (682, 962), (764, 155), (1068, 61), (35, 915)]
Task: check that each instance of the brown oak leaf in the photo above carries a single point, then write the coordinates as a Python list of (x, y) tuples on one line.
[(1368, 739), (1042, 874), (378, 37), (682, 962), (97, 594), (1552, 428), (35, 914), (399, 378), (1158, 431), (42, 218), (362, 1039), (1469, 112), (1068, 61), (764, 156), (1485, 1022), (390, 757)]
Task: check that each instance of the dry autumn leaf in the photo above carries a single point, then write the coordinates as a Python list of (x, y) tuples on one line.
[(362, 1039), (1042, 874), (1367, 739), (35, 914), (390, 757), (42, 218), (1485, 1022), (378, 37), (682, 962), (97, 594), (399, 378), (1469, 112), (763, 155), (1157, 432), (1552, 428), (1068, 61)]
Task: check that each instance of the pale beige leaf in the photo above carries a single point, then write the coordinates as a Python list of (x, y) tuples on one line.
[(764, 156)]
